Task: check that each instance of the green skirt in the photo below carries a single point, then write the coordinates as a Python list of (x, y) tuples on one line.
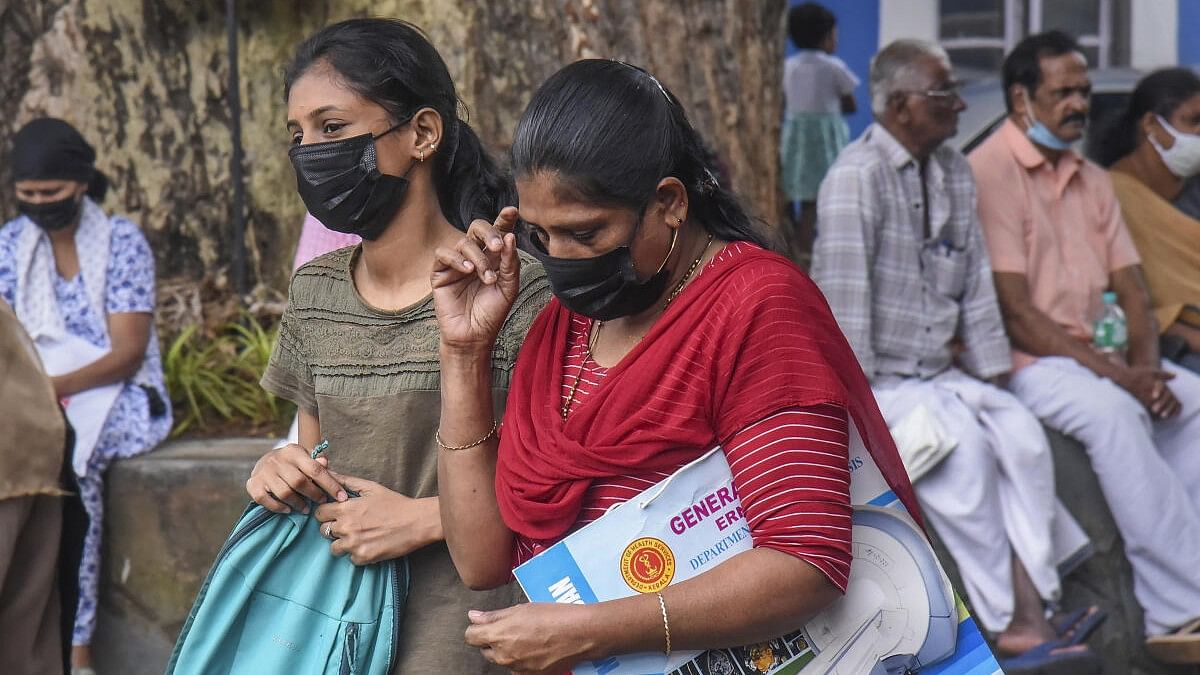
[(810, 144)]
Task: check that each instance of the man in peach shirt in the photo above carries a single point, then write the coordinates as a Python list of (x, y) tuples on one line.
[(1057, 241)]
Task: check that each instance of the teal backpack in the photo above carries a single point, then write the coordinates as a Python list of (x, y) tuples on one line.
[(277, 602)]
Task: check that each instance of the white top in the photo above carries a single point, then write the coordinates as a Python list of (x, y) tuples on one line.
[(815, 82)]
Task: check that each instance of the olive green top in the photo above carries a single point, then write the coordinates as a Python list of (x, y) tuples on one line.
[(372, 379)]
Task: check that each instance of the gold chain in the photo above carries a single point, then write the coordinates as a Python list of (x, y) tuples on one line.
[(566, 408), (595, 334), (695, 263)]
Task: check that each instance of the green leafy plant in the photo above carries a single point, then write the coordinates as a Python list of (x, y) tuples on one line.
[(214, 379)]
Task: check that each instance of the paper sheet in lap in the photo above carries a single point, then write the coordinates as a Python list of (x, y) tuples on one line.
[(899, 614), (88, 410)]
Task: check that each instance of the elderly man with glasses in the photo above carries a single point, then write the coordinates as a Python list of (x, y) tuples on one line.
[(901, 258)]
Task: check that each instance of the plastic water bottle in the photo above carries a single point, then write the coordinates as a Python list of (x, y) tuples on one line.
[(1110, 334)]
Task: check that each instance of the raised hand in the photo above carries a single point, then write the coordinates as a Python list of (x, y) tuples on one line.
[(476, 282)]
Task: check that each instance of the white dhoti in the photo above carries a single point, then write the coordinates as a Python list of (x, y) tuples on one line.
[(1148, 470), (993, 495)]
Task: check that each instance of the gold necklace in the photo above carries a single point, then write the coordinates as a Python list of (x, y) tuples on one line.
[(566, 407), (688, 275), (595, 334)]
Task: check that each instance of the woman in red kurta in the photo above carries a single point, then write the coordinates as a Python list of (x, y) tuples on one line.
[(673, 330)]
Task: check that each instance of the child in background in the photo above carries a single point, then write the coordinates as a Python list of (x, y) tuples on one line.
[(818, 89)]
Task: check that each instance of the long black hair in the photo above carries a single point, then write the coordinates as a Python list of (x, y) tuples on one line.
[(390, 62), (1161, 93), (610, 132)]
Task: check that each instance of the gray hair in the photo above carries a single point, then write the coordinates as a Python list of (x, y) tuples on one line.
[(895, 69)]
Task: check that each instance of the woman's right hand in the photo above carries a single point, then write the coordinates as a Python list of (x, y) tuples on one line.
[(476, 282), (285, 478)]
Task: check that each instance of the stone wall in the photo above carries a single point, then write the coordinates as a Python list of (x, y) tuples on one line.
[(167, 514), (146, 82)]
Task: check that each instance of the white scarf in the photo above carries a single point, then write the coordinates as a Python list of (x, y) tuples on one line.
[(37, 304)]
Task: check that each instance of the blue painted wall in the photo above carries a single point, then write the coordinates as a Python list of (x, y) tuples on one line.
[(1189, 32), (858, 40)]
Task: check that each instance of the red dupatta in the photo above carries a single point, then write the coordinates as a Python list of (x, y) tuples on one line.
[(749, 337)]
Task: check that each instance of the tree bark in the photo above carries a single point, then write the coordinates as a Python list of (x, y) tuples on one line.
[(144, 81)]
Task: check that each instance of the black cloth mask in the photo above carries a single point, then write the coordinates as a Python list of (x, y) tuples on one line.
[(603, 287), (52, 216), (342, 187)]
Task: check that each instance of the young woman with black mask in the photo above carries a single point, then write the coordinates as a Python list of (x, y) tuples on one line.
[(673, 331), (380, 151)]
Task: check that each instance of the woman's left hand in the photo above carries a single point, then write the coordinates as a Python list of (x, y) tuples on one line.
[(539, 637), (379, 524)]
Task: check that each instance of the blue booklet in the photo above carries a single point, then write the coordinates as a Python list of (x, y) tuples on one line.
[(899, 613)]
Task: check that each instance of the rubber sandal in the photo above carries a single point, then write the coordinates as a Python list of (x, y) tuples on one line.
[(1179, 646), (1041, 660), (1075, 627), (1064, 623)]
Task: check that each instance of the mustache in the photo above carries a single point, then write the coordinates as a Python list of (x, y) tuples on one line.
[(1075, 117)]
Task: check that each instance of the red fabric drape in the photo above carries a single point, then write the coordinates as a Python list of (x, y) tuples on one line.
[(749, 337)]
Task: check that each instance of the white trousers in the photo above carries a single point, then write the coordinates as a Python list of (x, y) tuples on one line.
[(1149, 472), (993, 495)]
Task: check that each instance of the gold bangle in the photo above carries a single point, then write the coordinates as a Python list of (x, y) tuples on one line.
[(437, 436), (666, 624)]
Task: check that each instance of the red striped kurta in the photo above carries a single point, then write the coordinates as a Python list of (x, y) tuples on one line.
[(790, 470)]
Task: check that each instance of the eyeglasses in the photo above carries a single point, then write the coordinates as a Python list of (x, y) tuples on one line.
[(948, 94)]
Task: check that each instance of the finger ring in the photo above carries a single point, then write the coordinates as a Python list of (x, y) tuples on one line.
[(329, 531)]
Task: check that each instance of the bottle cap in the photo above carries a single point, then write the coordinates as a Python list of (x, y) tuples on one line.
[(1110, 298)]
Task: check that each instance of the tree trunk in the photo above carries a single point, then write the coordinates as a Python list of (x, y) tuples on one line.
[(145, 82)]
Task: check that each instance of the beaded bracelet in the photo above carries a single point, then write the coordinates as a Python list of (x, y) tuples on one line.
[(437, 436)]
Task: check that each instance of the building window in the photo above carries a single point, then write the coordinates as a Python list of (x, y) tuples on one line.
[(1090, 21), (978, 33)]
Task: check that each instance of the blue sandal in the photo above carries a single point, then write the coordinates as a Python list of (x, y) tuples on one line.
[(1075, 627), (1041, 660)]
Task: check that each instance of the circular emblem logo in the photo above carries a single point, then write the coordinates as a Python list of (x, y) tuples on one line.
[(647, 565)]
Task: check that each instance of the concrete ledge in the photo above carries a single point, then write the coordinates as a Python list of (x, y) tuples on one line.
[(167, 514)]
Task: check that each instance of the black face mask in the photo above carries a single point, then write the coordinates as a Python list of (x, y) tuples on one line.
[(342, 187), (606, 286), (52, 216)]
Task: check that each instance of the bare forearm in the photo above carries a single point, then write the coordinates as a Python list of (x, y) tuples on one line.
[(111, 368), (755, 596), (1033, 332), (1190, 335), (431, 530), (1143, 335), (480, 543)]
